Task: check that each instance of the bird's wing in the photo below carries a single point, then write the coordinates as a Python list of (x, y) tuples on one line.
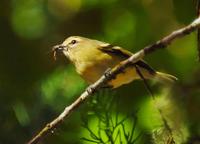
[(115, 50), (124, 54)]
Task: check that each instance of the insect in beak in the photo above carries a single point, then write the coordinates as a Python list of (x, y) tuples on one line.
[(57, 49)]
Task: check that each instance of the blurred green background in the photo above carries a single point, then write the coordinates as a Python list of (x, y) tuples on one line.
[(34, 88)]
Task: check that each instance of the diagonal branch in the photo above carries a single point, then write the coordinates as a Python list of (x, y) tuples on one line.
[(163, 43)]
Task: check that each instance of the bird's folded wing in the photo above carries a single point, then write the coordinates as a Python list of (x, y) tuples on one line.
[(124, 54)]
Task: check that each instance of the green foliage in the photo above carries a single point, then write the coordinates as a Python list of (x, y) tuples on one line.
[(110, 126), (184, 16), (151, 119), (64, 83), (21, 114), (119, 26), (28, 18), (34, 89)]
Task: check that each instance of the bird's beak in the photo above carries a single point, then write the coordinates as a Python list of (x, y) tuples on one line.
[(58, 49)]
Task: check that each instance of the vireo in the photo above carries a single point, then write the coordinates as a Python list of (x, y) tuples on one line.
[(92, 58)]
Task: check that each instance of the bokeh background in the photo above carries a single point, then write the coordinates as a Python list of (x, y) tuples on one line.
[(34, 88)]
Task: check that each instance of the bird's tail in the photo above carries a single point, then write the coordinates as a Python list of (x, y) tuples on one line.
[(165, 78)]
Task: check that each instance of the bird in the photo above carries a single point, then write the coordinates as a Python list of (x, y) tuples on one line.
[(92, 58)]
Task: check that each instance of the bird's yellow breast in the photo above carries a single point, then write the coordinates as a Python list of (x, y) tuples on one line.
[(92, 73)]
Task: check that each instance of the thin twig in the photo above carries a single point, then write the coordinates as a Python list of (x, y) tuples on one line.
[(165, 123), (163, 43), (145, 81)]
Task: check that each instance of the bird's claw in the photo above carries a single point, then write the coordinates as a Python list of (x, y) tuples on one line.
[(107, 73), (90, 89)]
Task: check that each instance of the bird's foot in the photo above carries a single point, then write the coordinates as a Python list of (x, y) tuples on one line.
[(90, 89), (108, 74)]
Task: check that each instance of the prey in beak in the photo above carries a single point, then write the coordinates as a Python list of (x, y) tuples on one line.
[(57, 49)]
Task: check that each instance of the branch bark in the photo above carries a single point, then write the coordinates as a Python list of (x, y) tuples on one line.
[(163, 43)]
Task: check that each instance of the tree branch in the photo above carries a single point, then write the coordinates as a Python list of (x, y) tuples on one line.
[(163, 43)]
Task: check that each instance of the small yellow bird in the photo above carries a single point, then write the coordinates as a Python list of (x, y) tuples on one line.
[(92, 58)]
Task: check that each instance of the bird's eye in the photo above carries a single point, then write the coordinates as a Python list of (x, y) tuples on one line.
[(73, 41)]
